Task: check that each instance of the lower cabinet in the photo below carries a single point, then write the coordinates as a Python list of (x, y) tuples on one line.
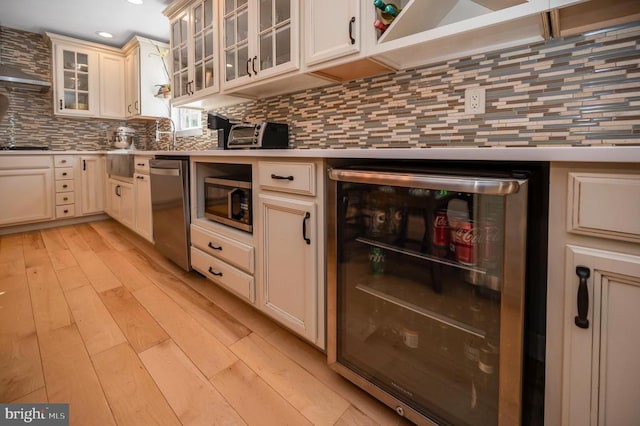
[(602, 342), (26, 190), (143, 215), (289, 247), (91, 184), (121, 202)]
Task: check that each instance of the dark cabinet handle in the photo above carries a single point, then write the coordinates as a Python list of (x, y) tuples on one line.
[(129, 108), (248, 71), (140, 164), (139, 177), (84, 164), (583, 297), (211, 246), (61, 106), (65, 198), (191, 84), (351, 22), (63, 161), (64, 186), (136, 106), (253, 65), (278, 177), (66, 211), (64, 173), (118, 190), (212, 272), (307, 215)]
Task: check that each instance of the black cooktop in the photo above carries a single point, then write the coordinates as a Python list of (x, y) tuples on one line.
[(23, 148)]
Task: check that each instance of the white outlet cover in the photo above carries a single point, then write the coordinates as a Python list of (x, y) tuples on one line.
[(474, 100)]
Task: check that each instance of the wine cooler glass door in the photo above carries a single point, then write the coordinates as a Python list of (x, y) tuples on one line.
[(423, 296)]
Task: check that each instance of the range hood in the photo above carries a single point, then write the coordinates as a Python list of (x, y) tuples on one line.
[(14, 78)]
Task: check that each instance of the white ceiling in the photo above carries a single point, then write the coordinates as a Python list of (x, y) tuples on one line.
[(82, 18)]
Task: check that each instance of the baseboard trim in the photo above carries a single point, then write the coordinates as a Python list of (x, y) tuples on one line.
[(51, 224)]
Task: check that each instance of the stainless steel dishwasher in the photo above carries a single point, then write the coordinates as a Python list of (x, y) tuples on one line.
[(170, 207)]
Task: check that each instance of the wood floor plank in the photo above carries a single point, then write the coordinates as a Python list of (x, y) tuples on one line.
[(315, 362), (264, 406), (133, 396), (73, 239), (71, 278), (11, 249), (70, 377), (33, 248), (125, 271), (99, 275), (50, 308), (110, 231), (92, 238), (192, 397), (96, 325), (37, 396), (206, 352), (61, 256), (141, 330), (318, 403), (355, 417)]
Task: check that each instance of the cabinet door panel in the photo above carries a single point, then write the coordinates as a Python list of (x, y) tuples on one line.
[(91, 185), (27, 195), (342, 37)]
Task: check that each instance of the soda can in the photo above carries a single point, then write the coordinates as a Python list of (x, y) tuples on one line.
[(489, 243), (466, 243), (376, 260), (440, 230)]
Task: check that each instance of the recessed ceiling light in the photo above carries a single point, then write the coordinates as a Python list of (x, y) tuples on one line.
[(104, 34), (135, 1)]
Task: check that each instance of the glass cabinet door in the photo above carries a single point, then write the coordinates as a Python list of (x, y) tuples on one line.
[(236, 39), (203, 33), (180, 56), (274, 33), (76, 80)]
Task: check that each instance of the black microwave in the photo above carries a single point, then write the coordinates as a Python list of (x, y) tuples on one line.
[(228, 201)]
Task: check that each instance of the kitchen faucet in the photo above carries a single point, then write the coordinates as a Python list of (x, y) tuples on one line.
[(172, 132)]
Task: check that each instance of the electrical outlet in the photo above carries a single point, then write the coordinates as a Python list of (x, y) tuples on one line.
[(474, 100)]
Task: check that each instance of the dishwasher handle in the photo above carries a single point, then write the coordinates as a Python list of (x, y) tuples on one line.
[(164, 172), (473, 185)]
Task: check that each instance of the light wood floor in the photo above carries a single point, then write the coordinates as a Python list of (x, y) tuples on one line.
[(92, 316)]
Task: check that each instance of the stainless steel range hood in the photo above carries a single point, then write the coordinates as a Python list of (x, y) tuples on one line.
[(14, 78)]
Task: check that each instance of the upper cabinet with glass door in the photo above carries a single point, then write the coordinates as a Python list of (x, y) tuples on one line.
[(194, 50), (260, 39), (76, 80)]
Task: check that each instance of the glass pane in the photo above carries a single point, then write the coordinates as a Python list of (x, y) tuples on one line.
[(230, 31), (176, 84), (208, 13), (283, 10), (83, 62), (419, 296), (184, 80), (208, 73), (199, 78), (83, 81), (183, 29), (230, 65), (229, 6), (283, 46), (175, 33), (70, 100), (266, 51), (197, 19), (208, 44), (266, 14), (243, 58), (176, 59), (70, 80), (243, 26), (83, 101), (183, 57), (69, 59), (241, 3), (198, 48)]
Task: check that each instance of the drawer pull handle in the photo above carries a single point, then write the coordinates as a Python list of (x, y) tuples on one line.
[(140, 164), (307, 215), (64, 186), (212, 272), (66, 211), (211, 246), (583, 297), (64, 174), (278, 177), (351, 22), (63, 161), (65, 198)]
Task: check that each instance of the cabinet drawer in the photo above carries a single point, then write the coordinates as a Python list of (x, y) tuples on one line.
[(297, 178), (12, 162), (64, 173), (604, 205), (65, 211), (64, 185), (224, 274), (63, 198), (224, 248), (63, 160), (142, 164)]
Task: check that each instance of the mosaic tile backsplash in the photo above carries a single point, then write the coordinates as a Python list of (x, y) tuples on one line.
[(576, 91)]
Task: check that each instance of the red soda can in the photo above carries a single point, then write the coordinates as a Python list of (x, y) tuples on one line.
[(466, 243), (440, 233)]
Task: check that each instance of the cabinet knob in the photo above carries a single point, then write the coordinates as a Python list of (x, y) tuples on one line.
[(63, 161), (65, 198), (64, 186), (66, 211), (64, 173)]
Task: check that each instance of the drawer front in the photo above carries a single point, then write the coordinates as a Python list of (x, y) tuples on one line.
[(12, 162), (64, 173), (63, 160), (63, 198), (64, 185), (604, 205), (224, 274), (142, 164), (292, 177), (224, 248), (65, 211)]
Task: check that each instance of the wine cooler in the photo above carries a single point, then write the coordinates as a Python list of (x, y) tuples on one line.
[(426, 290)]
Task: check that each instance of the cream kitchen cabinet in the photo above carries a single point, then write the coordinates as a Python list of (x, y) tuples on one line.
[(26, 189), (194, 49), (146, 70), (121, 202), (143, 218), (291, 246), (65, 177), (88, 78), (592, 368), (92, 175)]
